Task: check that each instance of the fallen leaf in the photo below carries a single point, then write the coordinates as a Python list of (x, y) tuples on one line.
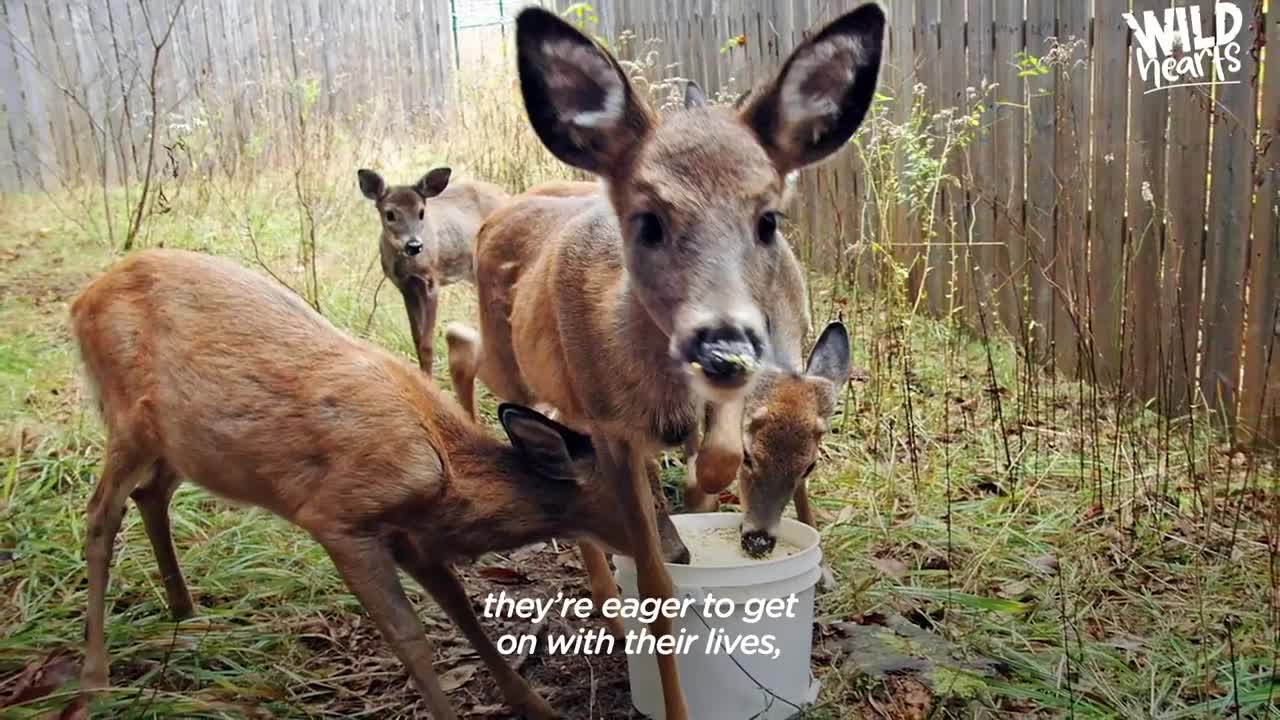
[(42, 677), (502, 575), (893, 567), (728, 498), (455, 678), (1126, 642), (845, 515), (1047, 563), (487, 711), (1014, 589)]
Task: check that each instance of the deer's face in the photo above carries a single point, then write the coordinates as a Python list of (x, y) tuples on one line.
[(699, 212), (788, 416), (697, 195), (407, 244)]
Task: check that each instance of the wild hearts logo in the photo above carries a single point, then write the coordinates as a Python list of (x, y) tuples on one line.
[(1178, 52)]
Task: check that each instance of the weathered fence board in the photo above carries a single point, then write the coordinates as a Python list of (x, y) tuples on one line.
[(1042, 189), (1148, 119), (1260, 387), (953, 226), (1107, 249), (982, 259), (927, 47), (1234, 124), (1184, 256), (1071, 171), (1010, 138)]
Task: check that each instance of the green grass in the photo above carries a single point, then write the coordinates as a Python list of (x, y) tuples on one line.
[(1102, 577)]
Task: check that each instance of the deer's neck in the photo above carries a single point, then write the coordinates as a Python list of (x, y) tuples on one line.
[(494, 502)]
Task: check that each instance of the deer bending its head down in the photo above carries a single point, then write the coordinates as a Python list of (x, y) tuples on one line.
[(787, 415), (234, 383), (643, 303), (427, 231)]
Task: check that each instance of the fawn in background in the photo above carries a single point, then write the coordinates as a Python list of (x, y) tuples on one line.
[(426, 242)]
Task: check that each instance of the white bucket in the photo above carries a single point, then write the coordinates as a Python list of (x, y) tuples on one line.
[(715, 687)]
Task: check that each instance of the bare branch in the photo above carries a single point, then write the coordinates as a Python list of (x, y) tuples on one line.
[(136, 224)]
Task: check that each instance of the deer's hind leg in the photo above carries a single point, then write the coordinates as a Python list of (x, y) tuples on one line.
[(464, 362), (125, 468), (153, 500)]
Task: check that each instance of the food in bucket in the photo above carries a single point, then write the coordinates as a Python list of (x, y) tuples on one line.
[(717, 547)]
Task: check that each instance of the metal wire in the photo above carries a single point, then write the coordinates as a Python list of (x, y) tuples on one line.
[(800, 711)]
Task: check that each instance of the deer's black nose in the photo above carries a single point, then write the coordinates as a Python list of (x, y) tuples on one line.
[(727, 354), (758, 543), (413, 247)]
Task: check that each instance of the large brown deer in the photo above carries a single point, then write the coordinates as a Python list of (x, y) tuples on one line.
[(207, 371), (651, 299), (787, 411), (425, 244)]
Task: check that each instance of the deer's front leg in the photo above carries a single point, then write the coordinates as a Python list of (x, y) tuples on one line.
[(721, 452), (448, 591), (421, 296), (368, 568), (804, 511), (695, 500), (624, 465), (600, 578)]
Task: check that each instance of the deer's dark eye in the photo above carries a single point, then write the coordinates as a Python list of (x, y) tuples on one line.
[(422, 214), (809, 469), (746, 461), (390, 215), (767, 226), (648, 229)]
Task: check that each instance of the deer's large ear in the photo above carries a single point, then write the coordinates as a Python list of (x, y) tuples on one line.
[(830, 357), (433, 183), (371, 184), (694, 97), (578, 100), (822, 92), (548, 446)]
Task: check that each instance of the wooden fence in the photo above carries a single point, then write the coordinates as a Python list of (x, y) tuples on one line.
[(76, 76), (1081, 216), (1127, 237)]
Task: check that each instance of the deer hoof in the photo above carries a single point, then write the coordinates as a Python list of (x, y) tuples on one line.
[(94, 677), (827, 581), (537, 709), (716, 469)]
